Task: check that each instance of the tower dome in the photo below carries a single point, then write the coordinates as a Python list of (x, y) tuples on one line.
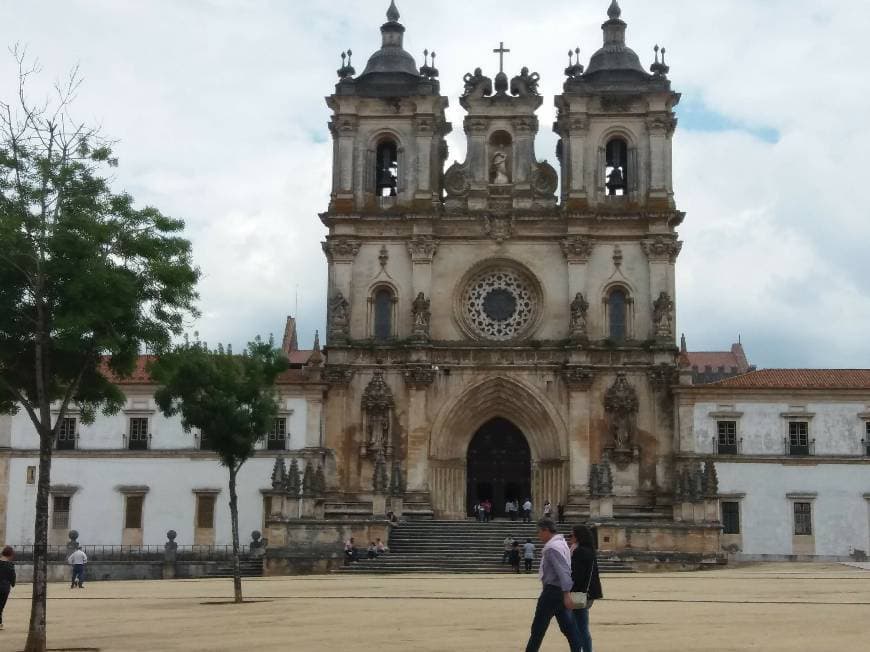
[(615, 58), (392, 58)]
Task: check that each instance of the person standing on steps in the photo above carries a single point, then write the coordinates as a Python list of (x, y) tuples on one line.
[(548, 510), (7, 578), (584, 571), (515, 557), (77, 560), (528, 554), (560, 511), (527, 511), (555, 599), (508, 545)]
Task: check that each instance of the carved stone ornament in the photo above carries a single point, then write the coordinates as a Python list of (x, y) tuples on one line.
[(377, 407), (577, 248), (477, 84), (663, 311), (617, 256), (661, 124), (662, 248), (711, 479), (397, 480), (422, 248), (600, 480), (380, 479), (621, 405), (341, 249), (422, 316), (544, 179), (662, 377), (525, 84), (577, 377), (339, 318), (619, 103), (456, 182), (498, 227), (419, 376), (384, 256), (337, 374), (579, 308)]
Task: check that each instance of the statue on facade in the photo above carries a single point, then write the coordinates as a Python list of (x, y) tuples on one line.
[(422, 315), (170, 548), (258, 544), (339, 320), (579, 308), (621, 405), (615, 181), (499, 172), (477, 84), (525, 84), (377, 407), (663, 309)]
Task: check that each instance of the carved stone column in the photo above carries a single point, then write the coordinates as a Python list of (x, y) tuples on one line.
[(579, 381), (418, 380)]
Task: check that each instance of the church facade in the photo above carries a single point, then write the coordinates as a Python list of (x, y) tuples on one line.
[(489, 339)]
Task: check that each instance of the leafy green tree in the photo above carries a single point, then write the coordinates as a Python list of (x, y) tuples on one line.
[(230, 399), (86, 281)]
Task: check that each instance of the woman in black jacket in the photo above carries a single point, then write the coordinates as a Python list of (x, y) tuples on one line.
[(7, 577), (584, 572)]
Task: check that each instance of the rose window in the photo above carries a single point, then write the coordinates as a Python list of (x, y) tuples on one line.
[(500, 304)]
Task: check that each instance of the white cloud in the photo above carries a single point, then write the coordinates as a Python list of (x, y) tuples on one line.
[(218, 107)]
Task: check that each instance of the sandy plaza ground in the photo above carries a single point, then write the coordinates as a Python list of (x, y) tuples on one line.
[(819, 607)]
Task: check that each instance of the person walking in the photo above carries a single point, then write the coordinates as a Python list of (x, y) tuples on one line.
[(555, 598), (560, 510), (7, 578), (508, 545), (515, 557), (548, 510), (487, 510), (584, 572), (514, 509), (527, 511), (528, 554), (77, 560)]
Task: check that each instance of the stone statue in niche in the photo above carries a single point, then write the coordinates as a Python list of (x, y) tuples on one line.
[(422, 315), (477, 84), (621, 405), (579, 308), (377, 405), (525, 84), (339, 322), (499, 172), (663, 308)]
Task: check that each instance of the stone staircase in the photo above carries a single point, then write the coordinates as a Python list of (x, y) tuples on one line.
[(455, 547), (250, 567)]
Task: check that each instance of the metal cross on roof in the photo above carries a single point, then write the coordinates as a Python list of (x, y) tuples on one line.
[(501, 51)]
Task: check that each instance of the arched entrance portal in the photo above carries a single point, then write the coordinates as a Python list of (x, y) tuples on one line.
[(499, 466)]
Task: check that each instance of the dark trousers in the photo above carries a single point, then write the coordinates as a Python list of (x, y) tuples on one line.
[(582, 616), (513, 515), (528, 565), (78, 575), (5, 588), (527, 516), (551, 604)]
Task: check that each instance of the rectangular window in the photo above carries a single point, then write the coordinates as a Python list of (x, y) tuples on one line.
[(798, 438), (727, 437), (730, 517), (867, 439), (66, 435), (277, 439), (133, 512), (138, 438), (205, 511), (803, 519), (60, 512), (31, 475)]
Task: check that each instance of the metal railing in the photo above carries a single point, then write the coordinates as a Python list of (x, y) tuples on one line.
[(97, 553), (799, 450)]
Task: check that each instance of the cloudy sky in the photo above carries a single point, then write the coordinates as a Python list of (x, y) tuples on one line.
[(218, 110)]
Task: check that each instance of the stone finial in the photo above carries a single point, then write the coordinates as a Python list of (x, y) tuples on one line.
[(279, 473), (679, 489), (397, 480), (615, 11), (393, 12), (594, 481), (291, 481), (379, 479), (606, 474), (696, 483), (659, 68), (308, 480), (319, 480), (73, 543), (711, 479)]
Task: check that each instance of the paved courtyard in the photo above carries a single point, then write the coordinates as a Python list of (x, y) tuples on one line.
[(761, 607)]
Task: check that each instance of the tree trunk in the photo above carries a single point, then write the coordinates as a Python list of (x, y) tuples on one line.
[(234, 517), (36, 639)]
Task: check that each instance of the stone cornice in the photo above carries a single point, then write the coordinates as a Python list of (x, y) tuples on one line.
[(340, 249), (782, 460)]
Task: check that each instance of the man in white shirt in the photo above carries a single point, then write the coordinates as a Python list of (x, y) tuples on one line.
[(77, 560), (527, 511)]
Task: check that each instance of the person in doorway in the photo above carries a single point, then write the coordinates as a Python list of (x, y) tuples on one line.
[(7, 578), (528, 554), (508, 545), (479, 512), (507, 508), (77, 560), (560, 511), (555, 598), (584, 572), (515, 557), (487, 510), (548, 510), (527, 511), (514, 509)]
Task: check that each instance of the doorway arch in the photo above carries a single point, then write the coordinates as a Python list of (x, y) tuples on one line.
[(498, 466)]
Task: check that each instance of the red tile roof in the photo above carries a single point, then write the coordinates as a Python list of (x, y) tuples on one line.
[(714, 359), (798, 379), (299, 357)]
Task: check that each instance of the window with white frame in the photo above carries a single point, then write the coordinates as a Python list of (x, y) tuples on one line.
[(138, 435), (276, 440), (726, 442), (66, 434), (798, 438)]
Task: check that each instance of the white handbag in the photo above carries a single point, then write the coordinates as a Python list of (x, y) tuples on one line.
[(581, 600)]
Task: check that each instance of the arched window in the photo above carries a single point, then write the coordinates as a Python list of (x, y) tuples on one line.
[(616, 167), (617, 313), (387, 168), (383, 314)]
